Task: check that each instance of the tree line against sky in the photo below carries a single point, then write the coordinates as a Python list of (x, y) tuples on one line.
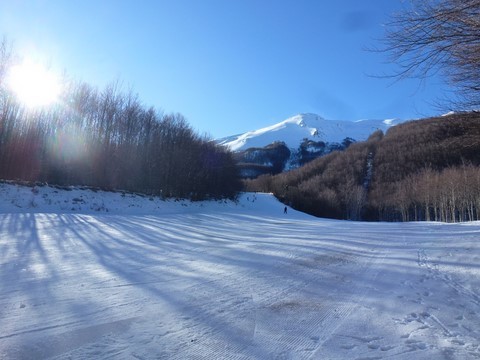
[(419, 170), (106, 138)]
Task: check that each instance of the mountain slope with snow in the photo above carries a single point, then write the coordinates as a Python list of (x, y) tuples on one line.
[(97, 275), (294, 130)]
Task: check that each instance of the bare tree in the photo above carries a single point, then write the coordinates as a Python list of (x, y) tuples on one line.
[(6, 55), (439, 36)]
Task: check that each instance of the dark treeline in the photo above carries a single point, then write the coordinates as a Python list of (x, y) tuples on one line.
[(420, 170), (107, 138)]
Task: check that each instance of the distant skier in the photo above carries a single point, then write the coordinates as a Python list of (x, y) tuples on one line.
[(285, 210)]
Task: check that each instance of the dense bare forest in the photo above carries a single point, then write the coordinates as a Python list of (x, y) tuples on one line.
[(420, 170), (107, 138)]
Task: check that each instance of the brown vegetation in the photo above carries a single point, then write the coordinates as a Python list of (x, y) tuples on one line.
[(420, 170), (107, 138)]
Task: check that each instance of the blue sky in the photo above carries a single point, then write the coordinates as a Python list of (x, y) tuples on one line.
[(228, 66)]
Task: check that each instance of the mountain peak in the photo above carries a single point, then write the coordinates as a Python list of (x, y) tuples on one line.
[(295, 129), (304, 119)]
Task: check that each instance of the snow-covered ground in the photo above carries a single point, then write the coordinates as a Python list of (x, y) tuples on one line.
[(87, 275)]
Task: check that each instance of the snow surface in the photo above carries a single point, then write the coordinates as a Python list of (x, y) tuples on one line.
[(311, 126), (87, 275)]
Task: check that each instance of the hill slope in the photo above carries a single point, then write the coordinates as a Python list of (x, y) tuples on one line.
[(420, 170), (225, 280)]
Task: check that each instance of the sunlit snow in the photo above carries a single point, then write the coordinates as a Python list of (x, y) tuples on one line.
[(87, 275), (294, 130)]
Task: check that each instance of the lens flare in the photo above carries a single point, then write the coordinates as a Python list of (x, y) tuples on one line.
[(33, 84)]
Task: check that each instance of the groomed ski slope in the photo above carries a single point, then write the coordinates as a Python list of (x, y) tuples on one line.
[(87, 275)]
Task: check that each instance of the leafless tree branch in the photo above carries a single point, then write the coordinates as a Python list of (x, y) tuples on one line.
[(439, 35)]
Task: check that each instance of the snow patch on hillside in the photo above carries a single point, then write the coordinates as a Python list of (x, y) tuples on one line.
[(42, 198)]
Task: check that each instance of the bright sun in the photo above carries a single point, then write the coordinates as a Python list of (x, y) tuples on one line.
[(33, 84)]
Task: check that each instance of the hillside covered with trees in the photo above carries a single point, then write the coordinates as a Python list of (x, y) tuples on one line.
[(109, 139), (418, 170)]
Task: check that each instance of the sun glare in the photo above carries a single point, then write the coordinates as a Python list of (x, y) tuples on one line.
[(33, 84)]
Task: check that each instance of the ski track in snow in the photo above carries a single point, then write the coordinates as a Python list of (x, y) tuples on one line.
[(230, 281)]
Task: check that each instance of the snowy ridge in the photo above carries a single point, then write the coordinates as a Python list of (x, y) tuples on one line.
[(311, 126)]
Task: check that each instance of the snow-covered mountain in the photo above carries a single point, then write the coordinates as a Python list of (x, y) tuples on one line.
[(296, 141), (294, 130)]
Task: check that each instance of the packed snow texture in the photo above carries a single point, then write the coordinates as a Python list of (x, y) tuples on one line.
[(307, 126), (87, 275)]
